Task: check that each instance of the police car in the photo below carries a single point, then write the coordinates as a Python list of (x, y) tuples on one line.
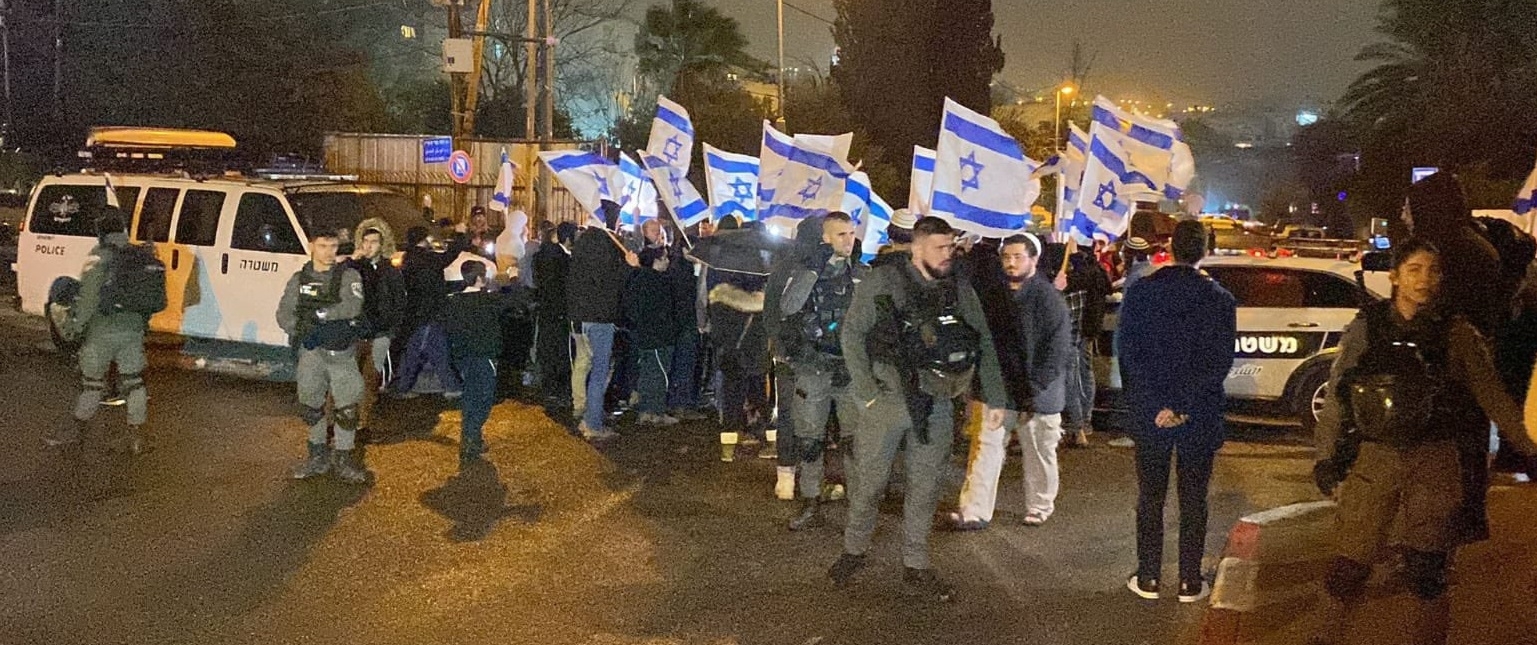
[(229, 243), (1291, 314)]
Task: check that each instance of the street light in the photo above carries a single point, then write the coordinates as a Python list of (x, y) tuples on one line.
[(1065, 90)]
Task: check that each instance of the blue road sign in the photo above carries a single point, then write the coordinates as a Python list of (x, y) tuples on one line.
[(437, 149), (459, 167)]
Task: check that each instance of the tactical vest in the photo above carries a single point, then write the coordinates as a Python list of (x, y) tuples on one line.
[(316, 292), (824, 310), (1399, 391), (926, 334)]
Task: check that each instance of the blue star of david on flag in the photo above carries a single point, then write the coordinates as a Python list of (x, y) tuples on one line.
[(742, 189), (1106, 197), (672, 135), (586, 175), (732, 181), (683, 199), (671, 150), (813, 187), (969, 162)]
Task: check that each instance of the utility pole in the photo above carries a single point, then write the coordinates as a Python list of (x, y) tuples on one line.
[(456, 104), (58, 61), (780, 88), (548, 133), (5, 53)]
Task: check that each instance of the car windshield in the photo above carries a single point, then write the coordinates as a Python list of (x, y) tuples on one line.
[(344, 210)]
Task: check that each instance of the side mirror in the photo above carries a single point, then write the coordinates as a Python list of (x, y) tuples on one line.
[(1377, 261)]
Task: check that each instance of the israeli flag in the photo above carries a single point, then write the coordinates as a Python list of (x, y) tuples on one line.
[(678, 194), (637, 199), (672, 135), (982, 178), (732, 181), (922, 181), (1107, 198), (811, 182), (501, 199), (837, 145), (586, 175), (871, 214), (1526, 200), (1154, 147), (772, 157)]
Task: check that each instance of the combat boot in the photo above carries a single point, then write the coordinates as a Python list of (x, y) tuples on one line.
[(317, 464), (345, 463), (810, 515), (67, 434)]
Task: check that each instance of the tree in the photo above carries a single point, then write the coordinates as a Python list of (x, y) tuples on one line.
[(964, 52), (689, 38)]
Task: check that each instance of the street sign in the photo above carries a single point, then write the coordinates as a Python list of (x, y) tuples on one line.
[(437, 149), (459, 167)]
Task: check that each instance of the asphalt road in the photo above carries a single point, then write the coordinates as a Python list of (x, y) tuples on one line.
[(651, 540)]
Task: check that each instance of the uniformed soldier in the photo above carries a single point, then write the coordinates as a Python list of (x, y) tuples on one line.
[(113, 333), (1389, 431), (320, 310), (815, 300)]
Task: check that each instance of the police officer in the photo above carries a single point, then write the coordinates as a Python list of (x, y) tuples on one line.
[(1389, 430), (912, 341), (108, 338), (815, 301), (321, 310)]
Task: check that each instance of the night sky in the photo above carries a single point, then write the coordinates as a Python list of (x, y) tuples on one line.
[(1187, 51)]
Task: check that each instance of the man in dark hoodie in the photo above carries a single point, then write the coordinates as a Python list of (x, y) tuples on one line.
[(1436, 210), (600, 267), (552, 268), (1037, 383), (422, 267), (1174, 391), (649, 311), (808, 237), (473, 321), (384, 298)]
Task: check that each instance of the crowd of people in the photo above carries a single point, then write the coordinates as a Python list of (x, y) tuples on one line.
[(851, 374)]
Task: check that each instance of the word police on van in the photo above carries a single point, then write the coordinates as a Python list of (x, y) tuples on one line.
[(228, 242)]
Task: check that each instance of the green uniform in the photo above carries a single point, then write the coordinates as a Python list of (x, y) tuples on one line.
[(821, 300), (309, 302), (885, 423), (107, 339)]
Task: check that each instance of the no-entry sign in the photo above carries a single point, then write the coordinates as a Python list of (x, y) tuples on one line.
[(460, 168)]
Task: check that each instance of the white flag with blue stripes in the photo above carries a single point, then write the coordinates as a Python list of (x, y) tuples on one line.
[(871, 214), (1526, 200), (586, 175), (810, 183), (837, 145), (672, 135), (982, 178), (1154, 147), (922, 189), (772, 157), (637, 200), (732, 182), (678, 193), (1109, 192), (501, 199)]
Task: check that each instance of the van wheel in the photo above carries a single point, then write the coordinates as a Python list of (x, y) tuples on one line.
[(1309, 395), (66, 347)]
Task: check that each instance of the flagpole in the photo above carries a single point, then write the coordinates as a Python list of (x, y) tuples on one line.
[(780, 89)]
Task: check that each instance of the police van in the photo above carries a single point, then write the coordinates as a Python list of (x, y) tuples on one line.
[(229, 242), (1291, 314)]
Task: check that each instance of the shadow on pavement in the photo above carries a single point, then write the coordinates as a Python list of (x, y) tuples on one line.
[(475, 500)]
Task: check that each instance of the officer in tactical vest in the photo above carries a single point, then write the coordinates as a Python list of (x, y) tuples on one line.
[(912, 341), (113, 333), (321, 310), (814, 303), (1387, 439)]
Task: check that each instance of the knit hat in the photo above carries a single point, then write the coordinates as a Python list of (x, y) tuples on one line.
[(903, 218)]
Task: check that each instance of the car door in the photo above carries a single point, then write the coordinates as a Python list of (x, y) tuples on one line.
[(152, 225), (58, 234), (264, 250), (194, 256), (1286, 315)]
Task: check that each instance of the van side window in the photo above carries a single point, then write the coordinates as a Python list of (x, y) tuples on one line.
[(63, 209), (261, 224), (199, 222), (155, 216)]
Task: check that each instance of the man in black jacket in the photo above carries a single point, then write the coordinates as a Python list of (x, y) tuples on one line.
[(384, 298), (649, 312), (552, 268), (600, 268), (473, 320), (423, 268), (1036, 377)]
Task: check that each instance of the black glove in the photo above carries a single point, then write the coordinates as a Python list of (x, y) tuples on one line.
[(1328, 474)]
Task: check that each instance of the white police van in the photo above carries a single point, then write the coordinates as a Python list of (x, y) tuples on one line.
[(229, 243), (1291, 314)]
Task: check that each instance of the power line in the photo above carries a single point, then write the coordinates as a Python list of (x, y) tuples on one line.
[(235, 23), (810, 14)]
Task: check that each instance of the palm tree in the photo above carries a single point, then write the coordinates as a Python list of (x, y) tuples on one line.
[(689, 38)]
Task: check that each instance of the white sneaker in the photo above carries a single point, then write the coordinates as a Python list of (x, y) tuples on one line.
[(1188, 593), (601, 434), (452, 395), (784, 485)]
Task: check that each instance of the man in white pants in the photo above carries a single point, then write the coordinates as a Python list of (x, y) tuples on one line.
[(1034, 348)]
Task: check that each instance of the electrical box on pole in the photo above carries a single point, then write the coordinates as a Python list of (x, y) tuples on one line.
[(458, 55)]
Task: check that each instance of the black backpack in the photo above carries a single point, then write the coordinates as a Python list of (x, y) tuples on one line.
[(135, 282)]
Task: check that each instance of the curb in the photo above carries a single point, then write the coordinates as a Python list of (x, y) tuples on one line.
[(1270, 567)]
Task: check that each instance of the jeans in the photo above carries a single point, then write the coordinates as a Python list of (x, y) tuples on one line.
[(600, 341), (1039, 435), (428, 347), (1079, 412), (479, 395), (682, 386), (652, 380), (1195, 451)]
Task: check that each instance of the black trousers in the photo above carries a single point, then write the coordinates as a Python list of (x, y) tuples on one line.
[(1193, 450), (555, 359)]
